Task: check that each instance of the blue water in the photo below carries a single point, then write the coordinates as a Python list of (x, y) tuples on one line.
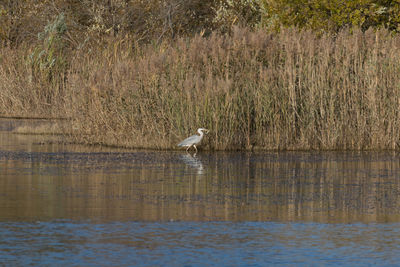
[(72, 243)]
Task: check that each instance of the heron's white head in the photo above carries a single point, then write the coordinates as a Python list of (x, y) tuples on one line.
[(200, 130)]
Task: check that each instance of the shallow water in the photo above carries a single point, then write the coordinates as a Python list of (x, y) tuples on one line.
[(74, 205)]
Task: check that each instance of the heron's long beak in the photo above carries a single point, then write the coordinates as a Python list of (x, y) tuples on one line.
[(207, 131)]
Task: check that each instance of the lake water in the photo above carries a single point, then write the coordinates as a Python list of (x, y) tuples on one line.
[(70, 205)]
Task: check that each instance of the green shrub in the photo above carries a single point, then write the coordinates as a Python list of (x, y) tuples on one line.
[(331, 15), (48, 59)]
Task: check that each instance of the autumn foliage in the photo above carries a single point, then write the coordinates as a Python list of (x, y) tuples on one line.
[(260, 74)]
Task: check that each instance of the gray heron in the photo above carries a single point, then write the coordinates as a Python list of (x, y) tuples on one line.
[(193, 140)]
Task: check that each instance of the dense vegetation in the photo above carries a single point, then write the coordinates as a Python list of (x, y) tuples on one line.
[(266, 74), (152, 20)]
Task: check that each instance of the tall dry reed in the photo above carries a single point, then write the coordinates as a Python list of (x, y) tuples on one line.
[(291, 90)]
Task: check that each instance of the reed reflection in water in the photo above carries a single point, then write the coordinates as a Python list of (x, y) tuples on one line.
[(45, 182)]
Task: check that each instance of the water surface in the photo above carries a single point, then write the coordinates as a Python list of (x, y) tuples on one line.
[(75, 205)]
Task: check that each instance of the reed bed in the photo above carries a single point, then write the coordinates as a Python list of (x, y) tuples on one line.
[(253, 90)]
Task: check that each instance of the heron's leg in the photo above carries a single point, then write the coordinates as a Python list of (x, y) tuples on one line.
[(195, 148), (187, 149)]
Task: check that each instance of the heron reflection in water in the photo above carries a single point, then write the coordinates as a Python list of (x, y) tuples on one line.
[(193, 162), (193, 140)]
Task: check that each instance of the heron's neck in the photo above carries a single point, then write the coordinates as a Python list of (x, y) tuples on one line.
[(200, 132)]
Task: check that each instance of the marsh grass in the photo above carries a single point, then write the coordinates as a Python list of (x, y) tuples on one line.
[(41, 129), (253, 90)]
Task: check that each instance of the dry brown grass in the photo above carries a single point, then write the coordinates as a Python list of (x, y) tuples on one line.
[(253, 90)]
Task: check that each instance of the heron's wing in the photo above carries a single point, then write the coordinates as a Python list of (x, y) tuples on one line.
[(190, 140)]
